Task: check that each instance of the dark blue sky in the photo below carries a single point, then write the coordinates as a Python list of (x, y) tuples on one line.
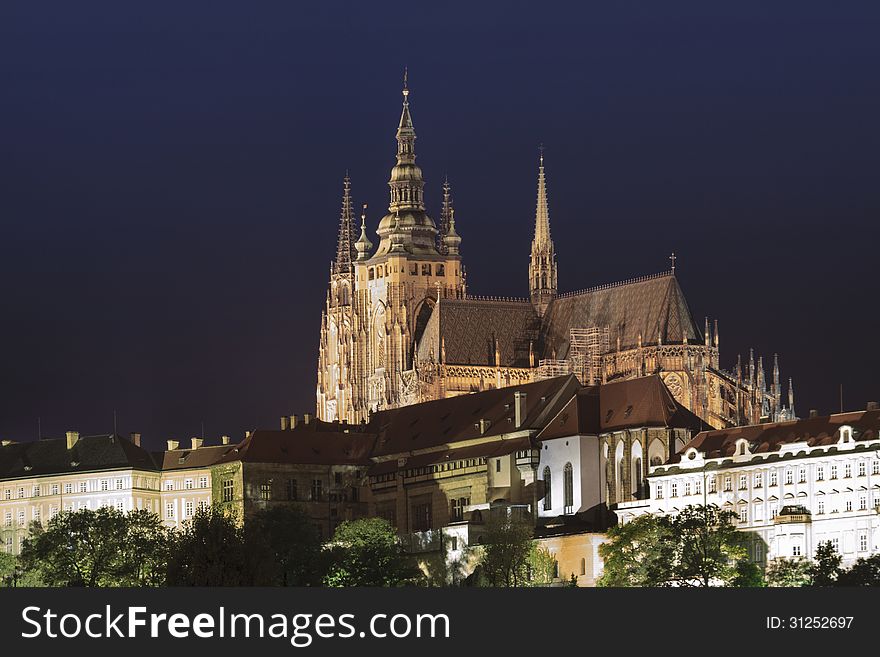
[(170, 180)]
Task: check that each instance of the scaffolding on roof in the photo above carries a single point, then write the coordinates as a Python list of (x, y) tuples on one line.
[(586, 348)]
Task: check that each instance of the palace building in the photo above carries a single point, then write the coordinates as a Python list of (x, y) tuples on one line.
[(399, 327), (791, 485)]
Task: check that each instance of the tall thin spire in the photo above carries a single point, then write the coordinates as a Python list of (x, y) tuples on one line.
[(791, 398), (542, 213), (345, 252), (445, 214), (542, 267)]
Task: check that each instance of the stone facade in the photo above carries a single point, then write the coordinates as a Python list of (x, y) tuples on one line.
[(399, 328)]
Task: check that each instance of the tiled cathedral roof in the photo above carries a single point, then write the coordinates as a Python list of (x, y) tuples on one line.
[(471, 328), (628, 310)]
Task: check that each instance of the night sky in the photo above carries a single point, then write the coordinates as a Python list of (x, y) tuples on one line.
[(171, 175)]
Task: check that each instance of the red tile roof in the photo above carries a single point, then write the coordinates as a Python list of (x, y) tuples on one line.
[(771, 436)]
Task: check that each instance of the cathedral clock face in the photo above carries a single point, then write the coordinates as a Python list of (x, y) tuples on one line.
[(673, 382)]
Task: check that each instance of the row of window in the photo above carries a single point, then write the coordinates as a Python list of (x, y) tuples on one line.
[(97, 485), (425, 268), (188, 509), (38, 490), (188, 484), (773, 480)]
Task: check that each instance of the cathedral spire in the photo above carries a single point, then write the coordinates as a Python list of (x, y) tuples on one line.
[(542, 267), (345, 251), (407, 185), (791, 399), (542, 213)]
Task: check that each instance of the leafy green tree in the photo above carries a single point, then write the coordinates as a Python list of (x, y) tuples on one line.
[(708, 546), (748, 575), (788, 573), (541, 566), (825, 569), (505, 550), (289, 540), (864, 572), (700, 546), (367, 552), (211, 550), (638, 553), (104, 547)]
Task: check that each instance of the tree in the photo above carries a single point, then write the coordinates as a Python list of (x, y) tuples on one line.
[(367, 552), (211, 550), (748, 575), (825, 569), (506, 546), (864, 572), (708, 546), (788, 573), (105, 547), (541, 566), (291, 543), (698, 547), (638, 553)]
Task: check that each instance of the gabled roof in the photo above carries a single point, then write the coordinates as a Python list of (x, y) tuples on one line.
[(89, 453), (306, 444), (443, 422), (203, 457), (626, 404), (770, 437), (470, 329), (630, 309)]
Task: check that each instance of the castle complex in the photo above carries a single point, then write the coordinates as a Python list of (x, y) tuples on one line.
[(400, 328)]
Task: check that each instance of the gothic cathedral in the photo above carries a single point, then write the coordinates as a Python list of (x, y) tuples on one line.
[(399, 328)]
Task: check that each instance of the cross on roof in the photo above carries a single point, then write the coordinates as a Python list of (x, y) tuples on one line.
[(672, 258)]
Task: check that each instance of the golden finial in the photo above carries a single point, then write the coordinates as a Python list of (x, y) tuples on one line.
[(364, 215), (405, 87), (541, 152)]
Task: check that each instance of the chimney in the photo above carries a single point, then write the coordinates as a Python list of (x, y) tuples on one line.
[(814, 412), (484, 425), (72, 437), (247, 434), (172, 445), (224, 440), (285, 423), (135, 438), (294, 421), (197, 442), (519, 408), (872, 406), (307, 417)]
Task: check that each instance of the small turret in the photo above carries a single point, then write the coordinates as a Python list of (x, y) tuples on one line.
[(363, 246), (451, 240)]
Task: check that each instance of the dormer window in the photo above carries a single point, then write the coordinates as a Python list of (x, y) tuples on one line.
[(846, 434)]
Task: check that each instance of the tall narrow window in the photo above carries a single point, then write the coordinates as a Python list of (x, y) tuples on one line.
[(568, 487), (639, 478), (548, 500)]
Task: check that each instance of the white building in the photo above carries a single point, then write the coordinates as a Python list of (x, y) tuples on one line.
[(792, 485)]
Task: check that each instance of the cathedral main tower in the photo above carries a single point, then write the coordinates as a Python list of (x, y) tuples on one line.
[(379, 303)]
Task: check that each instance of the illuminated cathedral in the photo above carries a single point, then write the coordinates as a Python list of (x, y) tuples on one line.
[(399, 327)]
